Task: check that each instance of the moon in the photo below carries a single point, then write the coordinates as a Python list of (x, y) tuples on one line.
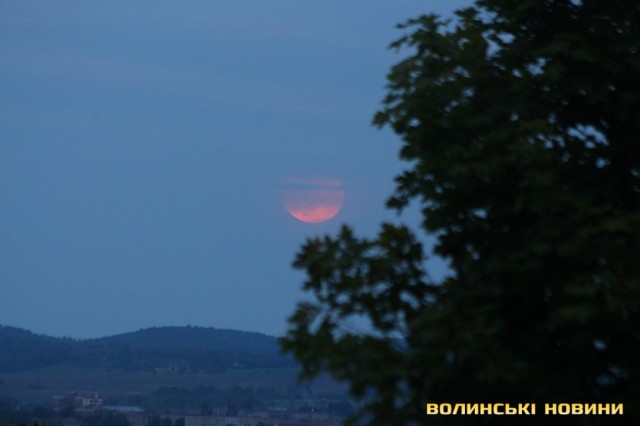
[(314, 200)]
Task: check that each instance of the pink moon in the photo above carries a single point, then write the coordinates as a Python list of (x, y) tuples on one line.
[(314, 200)]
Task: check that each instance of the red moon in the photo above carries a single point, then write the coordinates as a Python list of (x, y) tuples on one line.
[(314, 200)]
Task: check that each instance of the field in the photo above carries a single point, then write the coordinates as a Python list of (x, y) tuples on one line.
[(38, 386)]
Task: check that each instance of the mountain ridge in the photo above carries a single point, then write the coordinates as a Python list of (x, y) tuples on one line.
[(188, 347), (192, 337)]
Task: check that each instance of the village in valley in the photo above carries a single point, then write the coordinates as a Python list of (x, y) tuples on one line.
[(166, 376), (80, 408)]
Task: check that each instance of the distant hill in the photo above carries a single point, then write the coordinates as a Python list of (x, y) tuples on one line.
[(192, 338), (181, 349), (21, 349)]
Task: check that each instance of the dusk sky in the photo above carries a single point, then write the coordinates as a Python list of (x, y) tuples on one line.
[(146, 148)]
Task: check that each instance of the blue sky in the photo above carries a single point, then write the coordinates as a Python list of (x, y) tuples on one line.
[(145, 147)]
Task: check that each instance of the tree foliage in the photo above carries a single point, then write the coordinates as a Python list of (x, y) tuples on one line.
[(106, 419), (520, 124)]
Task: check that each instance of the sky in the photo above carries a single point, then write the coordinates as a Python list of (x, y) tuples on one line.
[(146, 148)]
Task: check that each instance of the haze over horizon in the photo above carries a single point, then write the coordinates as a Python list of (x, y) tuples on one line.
[(145, 148)]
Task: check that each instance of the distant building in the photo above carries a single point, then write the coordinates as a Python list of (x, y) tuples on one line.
[(88, 402), (123, 409), (82, 402), (308, 420)]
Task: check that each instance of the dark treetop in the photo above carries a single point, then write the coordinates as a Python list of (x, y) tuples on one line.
[(520, 125)]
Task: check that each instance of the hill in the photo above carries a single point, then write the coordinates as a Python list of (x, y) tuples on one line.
[(183, 349), (192, 338)]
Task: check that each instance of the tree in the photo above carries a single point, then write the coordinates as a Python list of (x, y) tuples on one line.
[(153, 420), (105, 419), (520, 124), (205, 410)]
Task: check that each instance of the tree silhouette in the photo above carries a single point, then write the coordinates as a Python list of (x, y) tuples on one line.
[(520, 124)]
